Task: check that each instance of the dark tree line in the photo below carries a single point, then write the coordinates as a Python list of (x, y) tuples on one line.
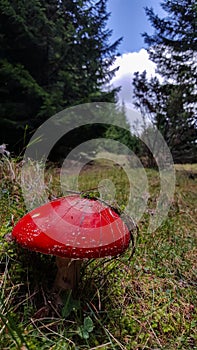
[(53, 54), (171, 102)]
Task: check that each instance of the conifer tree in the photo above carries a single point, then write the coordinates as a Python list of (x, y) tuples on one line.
[(53, 54), (170, 102)]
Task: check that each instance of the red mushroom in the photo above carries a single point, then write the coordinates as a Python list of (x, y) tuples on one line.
[(72, 228)]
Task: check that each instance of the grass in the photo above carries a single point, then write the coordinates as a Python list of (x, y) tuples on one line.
[(148, 302)]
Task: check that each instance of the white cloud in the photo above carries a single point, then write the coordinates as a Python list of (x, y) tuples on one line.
[(128, 64)]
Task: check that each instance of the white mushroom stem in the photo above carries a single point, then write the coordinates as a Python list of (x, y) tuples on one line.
[(68, 273)]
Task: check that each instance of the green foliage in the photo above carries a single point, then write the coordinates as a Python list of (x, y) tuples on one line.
[(70, 304), (53, 55), (171, 104), (86, 328)]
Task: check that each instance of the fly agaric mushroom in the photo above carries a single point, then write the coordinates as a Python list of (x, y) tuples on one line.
[(72, 228)]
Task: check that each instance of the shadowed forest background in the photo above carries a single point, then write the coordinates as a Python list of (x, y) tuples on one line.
[(57, 54)]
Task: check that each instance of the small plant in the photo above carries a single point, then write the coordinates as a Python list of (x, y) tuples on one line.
[(85, 329)]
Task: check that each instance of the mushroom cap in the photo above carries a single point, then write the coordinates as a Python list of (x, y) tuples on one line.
[(73, 227)]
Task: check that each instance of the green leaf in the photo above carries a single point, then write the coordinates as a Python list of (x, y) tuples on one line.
[(70, 305), (88, 324), (87, 328), (83, 333)]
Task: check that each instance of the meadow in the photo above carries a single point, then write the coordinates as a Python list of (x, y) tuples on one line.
[(147, 301)]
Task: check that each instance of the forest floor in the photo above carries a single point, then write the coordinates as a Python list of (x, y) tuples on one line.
[(148, 302)]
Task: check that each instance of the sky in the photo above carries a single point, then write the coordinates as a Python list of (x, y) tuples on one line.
[(128, 20)]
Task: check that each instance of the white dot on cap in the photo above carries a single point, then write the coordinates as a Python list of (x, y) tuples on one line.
[(35, 215)]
